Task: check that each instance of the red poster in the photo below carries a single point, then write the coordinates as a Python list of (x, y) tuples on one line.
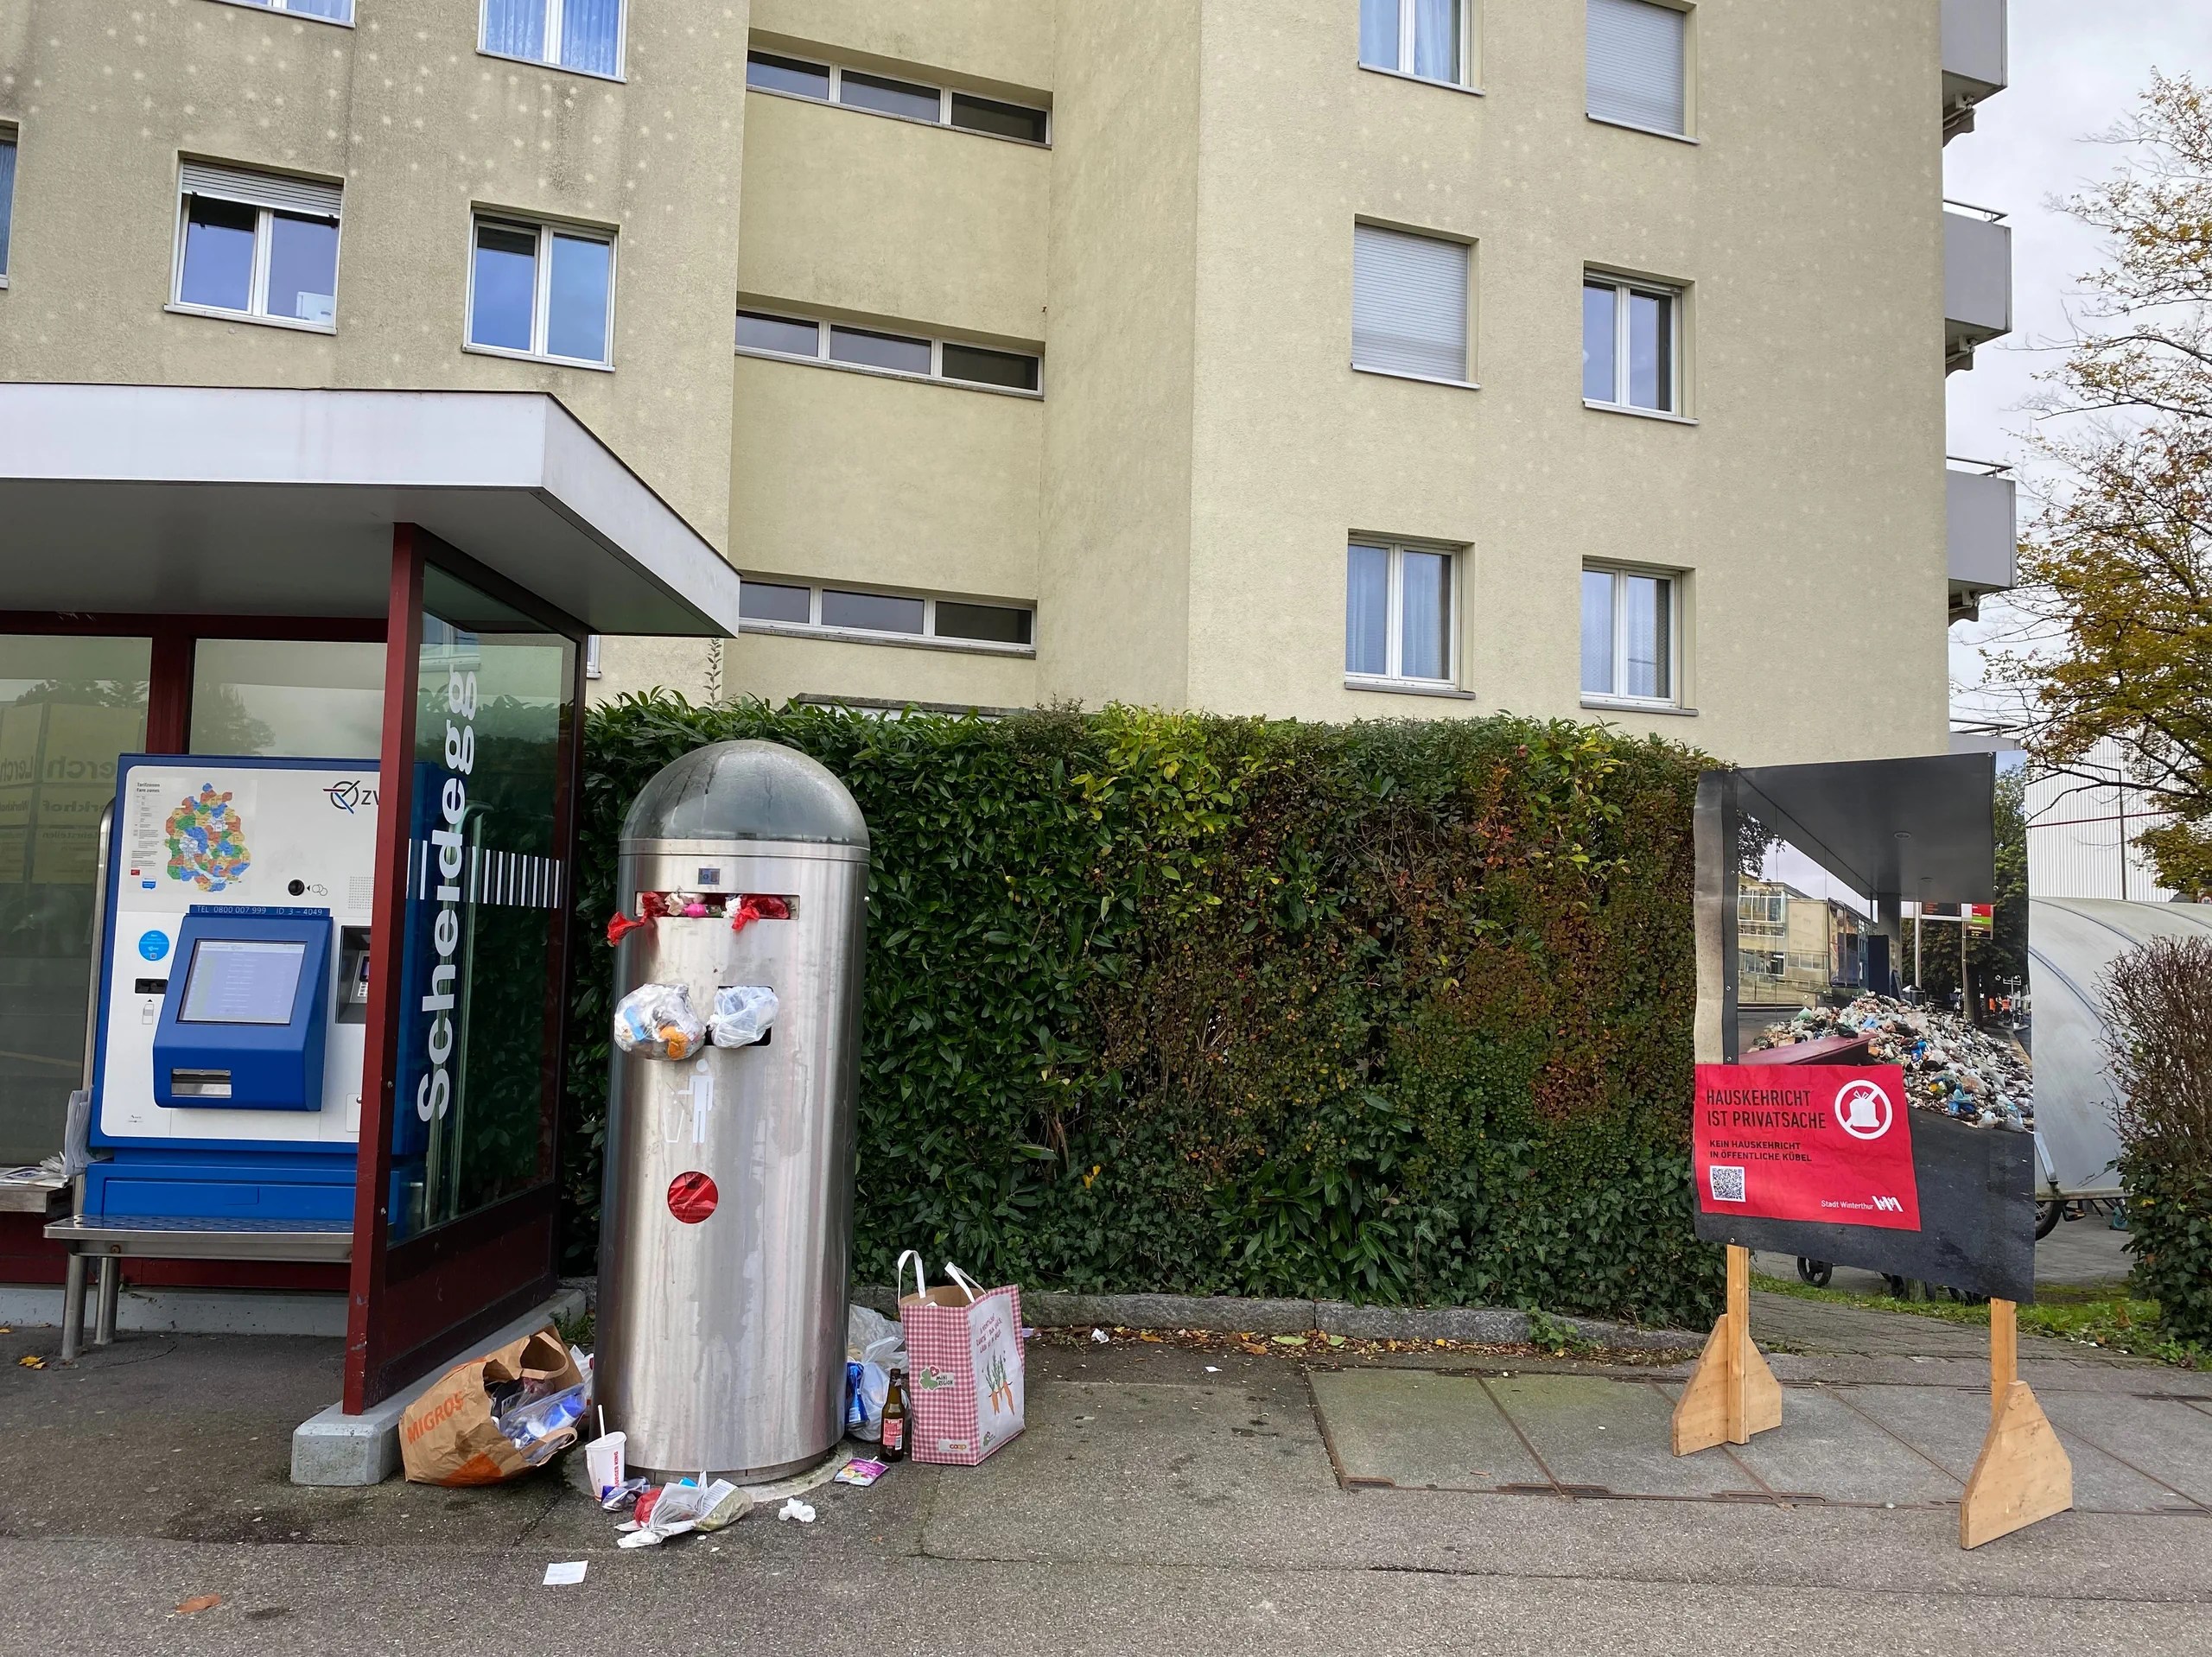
[(1806, 1142)]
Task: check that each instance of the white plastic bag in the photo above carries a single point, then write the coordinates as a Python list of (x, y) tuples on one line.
[(742, 1015), (656, 1021)]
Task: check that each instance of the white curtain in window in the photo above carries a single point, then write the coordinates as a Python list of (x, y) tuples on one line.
[(1635, 63), (515, 28), (591, 35), (1378, 33), (1425, 646), (1409, 303), (1436, 38), (1367, 610)]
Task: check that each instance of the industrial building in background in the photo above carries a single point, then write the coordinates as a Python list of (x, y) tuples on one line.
[(1345, 358)]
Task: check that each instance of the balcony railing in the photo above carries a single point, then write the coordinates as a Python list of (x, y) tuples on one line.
[(1977, 280), (1984, 532), (1975, 60)]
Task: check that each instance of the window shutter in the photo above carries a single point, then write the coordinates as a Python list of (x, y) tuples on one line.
[(1635, 65), (262, 189), (1409, 303)]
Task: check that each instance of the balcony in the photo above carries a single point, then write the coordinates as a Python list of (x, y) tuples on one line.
[(1975, 64), (1984, 533), (1977, 280)]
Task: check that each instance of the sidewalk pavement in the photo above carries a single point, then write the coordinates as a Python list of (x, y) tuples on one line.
[(1162, 1499)]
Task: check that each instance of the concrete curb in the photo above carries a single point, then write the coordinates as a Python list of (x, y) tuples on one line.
[(1231, 1314)]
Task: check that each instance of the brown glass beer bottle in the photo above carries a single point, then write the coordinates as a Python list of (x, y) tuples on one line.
[(894, 1417)]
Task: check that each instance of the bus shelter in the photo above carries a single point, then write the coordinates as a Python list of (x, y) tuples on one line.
[(304, 578)]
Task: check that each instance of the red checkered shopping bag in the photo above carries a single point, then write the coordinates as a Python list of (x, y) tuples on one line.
[(964, 1378)]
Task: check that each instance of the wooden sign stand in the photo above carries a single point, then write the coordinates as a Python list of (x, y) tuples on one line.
[(1733, 1395), (2023, 1474)]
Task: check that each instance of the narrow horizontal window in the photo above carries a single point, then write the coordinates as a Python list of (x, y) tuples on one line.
[(1637, 65), (874, 613), (890, 618), (1409, 303), (985, 367), (888, 97), (1002, 120), (259, 244), (1400, 612), (794, 75), (872, 350), (331, 11), (909, 100), (585, 35), (543, 291), (767, 601), (882, 351)]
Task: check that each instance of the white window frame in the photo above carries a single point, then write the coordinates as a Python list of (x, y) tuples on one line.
[(945, 94), (1622, 573), (814, 627), (1393, 678), (285, 6), (937, 343), (1677, 311), (11, 134), (1464, 79), (592, 645), (552, 35), (541, 317), (257, 301)]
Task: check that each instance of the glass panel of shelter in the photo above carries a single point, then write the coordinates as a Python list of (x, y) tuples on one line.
[(478, 1016)]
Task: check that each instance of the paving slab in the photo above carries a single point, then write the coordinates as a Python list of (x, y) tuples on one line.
[(1601, 1436), (1948, 1424), (1824, 1448), (1421, 1431), (2163, 1436)]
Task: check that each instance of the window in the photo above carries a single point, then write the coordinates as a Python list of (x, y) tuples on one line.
[(1427, 38), (1631, 333), (541, 290), (591, 669), (964, 624), (915, 356), (1636, 65), (1409, 304), (7, 194), (1398, 613), (331, 11), (257, 244), (907, 100), (585, 35), (1628, 636)]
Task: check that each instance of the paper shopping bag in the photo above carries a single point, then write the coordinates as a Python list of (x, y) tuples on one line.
[(966, 1393), (450, 1436)]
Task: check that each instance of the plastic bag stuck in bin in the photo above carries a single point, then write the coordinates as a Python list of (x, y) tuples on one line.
[(656, 1021), (743, 1015)]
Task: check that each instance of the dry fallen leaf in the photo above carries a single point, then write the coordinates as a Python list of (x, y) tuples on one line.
[(32, 1361), (199, 1602)]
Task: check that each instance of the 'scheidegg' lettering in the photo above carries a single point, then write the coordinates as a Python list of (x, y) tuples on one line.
[(434, 1093)]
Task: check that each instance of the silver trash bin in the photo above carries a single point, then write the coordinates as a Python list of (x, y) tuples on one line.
[(726, 1223)]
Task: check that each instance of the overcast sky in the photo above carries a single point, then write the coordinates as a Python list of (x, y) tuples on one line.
[(2077, 67)]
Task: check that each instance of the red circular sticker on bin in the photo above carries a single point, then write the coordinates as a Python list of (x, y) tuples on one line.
[(692, 1197)]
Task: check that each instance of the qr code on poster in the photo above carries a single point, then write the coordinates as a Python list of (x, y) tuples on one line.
[(1727, 1184)]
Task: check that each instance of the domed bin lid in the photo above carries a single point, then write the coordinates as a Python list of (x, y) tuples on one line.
[(747, 790)]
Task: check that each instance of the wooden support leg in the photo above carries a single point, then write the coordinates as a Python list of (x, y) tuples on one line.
[(2023, 1474), (1733, 1394)]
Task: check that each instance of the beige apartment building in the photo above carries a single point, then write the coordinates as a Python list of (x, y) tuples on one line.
[(1335, 358)]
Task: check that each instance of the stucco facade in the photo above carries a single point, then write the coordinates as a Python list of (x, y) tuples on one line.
[(1174, 504)]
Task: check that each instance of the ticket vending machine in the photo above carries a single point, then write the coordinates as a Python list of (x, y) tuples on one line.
[(234, 992)]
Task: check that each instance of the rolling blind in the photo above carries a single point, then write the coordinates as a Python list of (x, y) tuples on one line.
[(262, 189), (1636, 64), (1409, 303)]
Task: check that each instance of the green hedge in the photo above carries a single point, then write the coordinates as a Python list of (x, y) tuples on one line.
[(1386, 1012), (2170, 1233)]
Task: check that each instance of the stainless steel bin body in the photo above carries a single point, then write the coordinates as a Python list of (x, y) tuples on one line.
[(722, 1339)]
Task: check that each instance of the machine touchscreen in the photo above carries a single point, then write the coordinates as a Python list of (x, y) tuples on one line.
[(241, 980)]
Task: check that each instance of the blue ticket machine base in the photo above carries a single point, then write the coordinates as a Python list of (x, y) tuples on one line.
[(234, 996)]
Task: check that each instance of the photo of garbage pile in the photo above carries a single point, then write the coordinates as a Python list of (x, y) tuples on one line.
[(1974, 1076)]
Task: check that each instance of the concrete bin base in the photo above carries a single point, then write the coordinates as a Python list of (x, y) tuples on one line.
[(333, 1448)]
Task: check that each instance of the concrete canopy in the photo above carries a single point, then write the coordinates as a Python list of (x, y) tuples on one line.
[(262, 502), (1916, 828)]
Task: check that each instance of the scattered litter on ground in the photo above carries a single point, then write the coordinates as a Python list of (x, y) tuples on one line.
[(1315, 1344), (564, 1576), (801, 1511), (1100, 1336), (1971, 1075), (859, 1472), (1213, 1369), (197, 1603)]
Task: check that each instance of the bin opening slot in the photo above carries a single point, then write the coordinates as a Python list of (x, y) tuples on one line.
[(717, 906)]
